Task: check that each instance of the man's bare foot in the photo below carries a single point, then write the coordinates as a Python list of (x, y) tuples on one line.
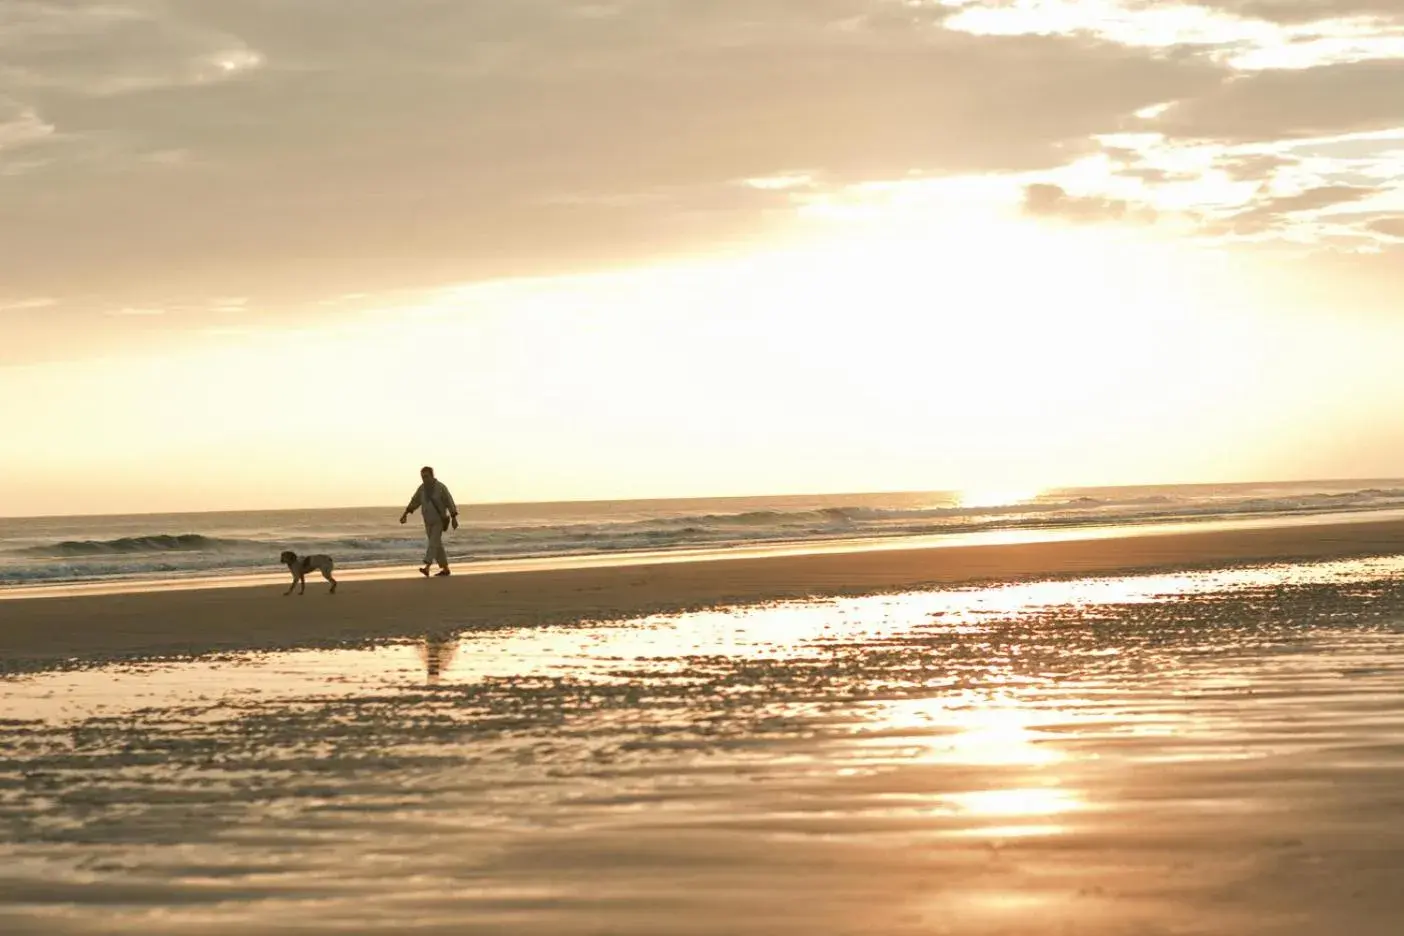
[(424, 571), (441, 573)]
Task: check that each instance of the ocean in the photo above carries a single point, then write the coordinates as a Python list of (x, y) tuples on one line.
[(61, 550)]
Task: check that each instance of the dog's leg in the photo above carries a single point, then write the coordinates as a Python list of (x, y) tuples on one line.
[(326, 574), (302, 584), (292, 586)]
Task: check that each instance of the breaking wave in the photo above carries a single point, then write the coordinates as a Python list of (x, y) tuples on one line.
[(133, 545), (251, 542)]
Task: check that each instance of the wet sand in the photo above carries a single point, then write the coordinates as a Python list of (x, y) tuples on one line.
[(35, 631), (1194, 753)]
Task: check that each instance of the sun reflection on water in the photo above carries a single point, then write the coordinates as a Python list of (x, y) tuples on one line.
[(964, 731), (1026, 801), (905, 738), (995, 497)]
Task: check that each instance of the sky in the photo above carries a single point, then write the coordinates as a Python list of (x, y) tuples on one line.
[(280, 253)]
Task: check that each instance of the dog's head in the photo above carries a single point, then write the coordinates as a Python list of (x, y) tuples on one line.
[(288, 556)]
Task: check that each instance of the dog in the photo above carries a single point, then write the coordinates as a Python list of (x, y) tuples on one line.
[(299, 566)]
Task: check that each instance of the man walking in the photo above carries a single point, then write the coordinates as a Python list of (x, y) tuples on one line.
[(439, 512)]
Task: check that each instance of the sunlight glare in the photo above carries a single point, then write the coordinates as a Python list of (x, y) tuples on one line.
[(995, 497), (970, 729), (1033, 801)]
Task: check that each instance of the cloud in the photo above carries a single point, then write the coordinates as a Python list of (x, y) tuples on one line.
[(54, 53), (1046, 200), (394, 144), (229, 305), (1330, 136), (1234, 34), (1321, 192), (1311, 11), (138, 311), (20, 125), (30, 304), (104, 48), (1392, 226), (1278, 105), (22, 133), (1274, 210), (1253, 166), (288, 150)]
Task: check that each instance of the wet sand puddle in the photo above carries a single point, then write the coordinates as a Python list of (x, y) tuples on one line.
[(1208, 752)]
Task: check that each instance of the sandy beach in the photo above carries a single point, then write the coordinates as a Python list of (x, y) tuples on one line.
[(1159, 734), (259, 617)]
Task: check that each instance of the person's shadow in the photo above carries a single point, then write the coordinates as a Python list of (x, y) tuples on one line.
[(437, 653)]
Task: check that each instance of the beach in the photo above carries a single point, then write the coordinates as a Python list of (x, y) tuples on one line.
[(188, 620), (1174, 733)]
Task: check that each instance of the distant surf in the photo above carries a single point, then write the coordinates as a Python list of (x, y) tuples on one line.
[(131, 545), (77, 549)]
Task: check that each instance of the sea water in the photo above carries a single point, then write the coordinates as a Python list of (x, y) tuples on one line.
[(78, 549)]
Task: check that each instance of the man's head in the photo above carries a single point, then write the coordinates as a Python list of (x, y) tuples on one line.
[(426, 473)]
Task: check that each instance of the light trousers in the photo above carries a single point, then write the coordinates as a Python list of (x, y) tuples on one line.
[(436, 551)]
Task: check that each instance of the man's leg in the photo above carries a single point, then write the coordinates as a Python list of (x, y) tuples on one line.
[(433, 535), (435, 552), (440, 553)]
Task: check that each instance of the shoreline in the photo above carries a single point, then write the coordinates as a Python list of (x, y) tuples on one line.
[(898, 542), (39, 631)]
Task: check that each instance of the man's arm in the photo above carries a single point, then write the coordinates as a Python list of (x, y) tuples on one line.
[(452, 507), (414, 503)]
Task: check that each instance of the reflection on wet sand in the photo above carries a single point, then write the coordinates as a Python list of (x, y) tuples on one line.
[(1206, 753), (437, 651)]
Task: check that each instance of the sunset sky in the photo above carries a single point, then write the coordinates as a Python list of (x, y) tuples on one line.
[(277, 253)]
